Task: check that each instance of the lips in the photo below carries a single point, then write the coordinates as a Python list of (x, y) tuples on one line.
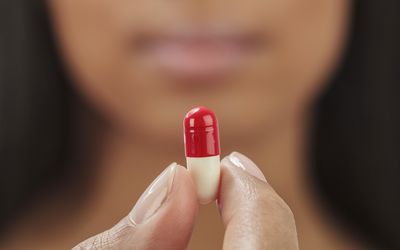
[(198, 54)]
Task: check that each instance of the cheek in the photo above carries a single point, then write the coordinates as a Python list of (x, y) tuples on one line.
[(94, 37), (307, 39), (309, 42)]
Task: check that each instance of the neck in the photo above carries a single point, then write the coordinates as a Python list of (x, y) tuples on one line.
[(128, 167)]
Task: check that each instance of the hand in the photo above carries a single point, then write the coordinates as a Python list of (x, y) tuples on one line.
[(255, 217)]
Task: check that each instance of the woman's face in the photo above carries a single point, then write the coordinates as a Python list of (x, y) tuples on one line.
[(144, 64)]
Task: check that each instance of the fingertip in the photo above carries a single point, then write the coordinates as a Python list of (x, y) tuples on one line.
[(184, 184), (172, 226), (237, 160), (241, 186)]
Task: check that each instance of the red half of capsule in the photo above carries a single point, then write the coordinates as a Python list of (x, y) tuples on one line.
[(201, 136)]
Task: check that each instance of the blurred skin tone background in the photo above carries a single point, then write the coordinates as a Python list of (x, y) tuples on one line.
[(139, 66)]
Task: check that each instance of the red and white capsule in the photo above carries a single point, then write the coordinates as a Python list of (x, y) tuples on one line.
[(201, 139)]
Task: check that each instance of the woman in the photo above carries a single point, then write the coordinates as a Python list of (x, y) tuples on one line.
[(92, 99)]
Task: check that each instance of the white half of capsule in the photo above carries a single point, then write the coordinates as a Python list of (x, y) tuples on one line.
[(205, 172)]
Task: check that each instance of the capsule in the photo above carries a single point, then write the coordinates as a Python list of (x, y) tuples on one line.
[(202, 150)]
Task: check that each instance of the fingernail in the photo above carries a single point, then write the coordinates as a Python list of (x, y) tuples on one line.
[(154, 196), (238, 160)]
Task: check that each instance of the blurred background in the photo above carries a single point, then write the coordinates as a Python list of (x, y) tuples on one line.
[(91, 91)]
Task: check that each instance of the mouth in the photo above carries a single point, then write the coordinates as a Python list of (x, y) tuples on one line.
[(198, 53)]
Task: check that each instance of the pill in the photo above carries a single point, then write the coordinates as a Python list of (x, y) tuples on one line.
[(202, 149)]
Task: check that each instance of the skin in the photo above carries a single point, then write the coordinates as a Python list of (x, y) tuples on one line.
[(302, 42), (274, 228), (133, 111)]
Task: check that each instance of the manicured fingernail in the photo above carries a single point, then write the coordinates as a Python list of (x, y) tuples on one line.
[(238, 160), (154, 196)]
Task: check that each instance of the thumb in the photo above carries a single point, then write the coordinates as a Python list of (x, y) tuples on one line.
[(162, 218), (254, 215)]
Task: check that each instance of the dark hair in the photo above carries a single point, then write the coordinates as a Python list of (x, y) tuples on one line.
[(355, 139), (34, 107)]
